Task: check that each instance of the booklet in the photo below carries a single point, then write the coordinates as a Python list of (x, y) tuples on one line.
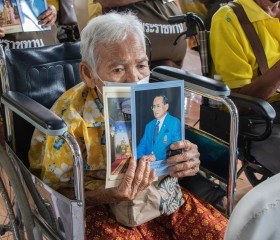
[(22, 15), (118, 132), (147, 129)]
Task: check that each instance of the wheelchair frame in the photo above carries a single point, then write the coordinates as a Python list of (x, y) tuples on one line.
[(53, 214), (217, 91), (252, 167)]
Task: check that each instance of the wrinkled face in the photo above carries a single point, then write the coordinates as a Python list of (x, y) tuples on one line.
[(124, 62), (159, 108)]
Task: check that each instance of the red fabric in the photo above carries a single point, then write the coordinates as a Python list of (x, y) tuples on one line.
[(194, 220)]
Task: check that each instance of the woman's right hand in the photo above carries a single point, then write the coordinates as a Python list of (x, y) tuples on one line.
[(137, 178)]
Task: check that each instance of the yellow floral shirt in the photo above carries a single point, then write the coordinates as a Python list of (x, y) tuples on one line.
[(81, 109)]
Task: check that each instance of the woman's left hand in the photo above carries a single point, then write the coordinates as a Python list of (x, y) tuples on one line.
[(186, 163), (48, 18)]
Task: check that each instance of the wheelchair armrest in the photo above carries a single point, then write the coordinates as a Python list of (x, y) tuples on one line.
[(50, 124), (264, 114), (192, 81), (260, 106), (33, 112)]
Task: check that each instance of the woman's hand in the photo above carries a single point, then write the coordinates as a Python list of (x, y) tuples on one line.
[(48, 18), (137, 178), (186, 163)]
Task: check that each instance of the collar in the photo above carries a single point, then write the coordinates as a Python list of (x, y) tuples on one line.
[(253, 10), (162, 120), (93, 109)]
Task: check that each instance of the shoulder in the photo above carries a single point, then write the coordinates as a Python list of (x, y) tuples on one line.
[(224, 14), (71, 102), (172, 118), (151, 123)]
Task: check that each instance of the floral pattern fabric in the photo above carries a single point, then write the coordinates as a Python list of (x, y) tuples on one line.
[(81, 109), (194, 220)]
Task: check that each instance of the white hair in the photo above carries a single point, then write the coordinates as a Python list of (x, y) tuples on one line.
[(106, 29)]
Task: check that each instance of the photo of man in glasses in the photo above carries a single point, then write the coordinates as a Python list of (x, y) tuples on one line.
[(159, 133)]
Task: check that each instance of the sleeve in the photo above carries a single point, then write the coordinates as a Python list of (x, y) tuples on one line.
[(176, 131), (57, 161), (142, 146), (231, 54)]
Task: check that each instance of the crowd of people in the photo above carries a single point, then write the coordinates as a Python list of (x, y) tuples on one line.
[(144, 27)]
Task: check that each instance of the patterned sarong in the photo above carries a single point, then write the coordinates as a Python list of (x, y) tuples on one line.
[(194, 220)]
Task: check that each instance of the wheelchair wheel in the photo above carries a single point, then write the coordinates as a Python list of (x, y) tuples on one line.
[(8, 224), (16, 219)]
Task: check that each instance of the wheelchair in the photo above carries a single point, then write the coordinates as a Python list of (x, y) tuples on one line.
[(32, 79), (256, 116)]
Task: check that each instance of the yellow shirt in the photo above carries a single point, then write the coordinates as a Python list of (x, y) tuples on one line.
[(81, 109), (231, 52)]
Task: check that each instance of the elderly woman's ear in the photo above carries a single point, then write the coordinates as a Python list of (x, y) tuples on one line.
[(87, 75)]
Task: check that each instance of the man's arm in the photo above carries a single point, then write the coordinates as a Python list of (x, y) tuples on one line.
[(142, 146), (263, 86)]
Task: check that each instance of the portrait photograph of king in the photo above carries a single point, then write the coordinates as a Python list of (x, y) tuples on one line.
[(161, 122)]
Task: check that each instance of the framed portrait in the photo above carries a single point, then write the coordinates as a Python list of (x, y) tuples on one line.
[(118, 129), (157, 121)]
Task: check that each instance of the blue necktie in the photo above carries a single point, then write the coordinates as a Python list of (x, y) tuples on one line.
[(156, 131)]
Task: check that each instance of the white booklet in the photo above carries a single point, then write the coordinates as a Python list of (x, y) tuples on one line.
[(22, 15), (133, 130)]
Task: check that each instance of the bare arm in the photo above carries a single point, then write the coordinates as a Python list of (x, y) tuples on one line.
[(263, 86)]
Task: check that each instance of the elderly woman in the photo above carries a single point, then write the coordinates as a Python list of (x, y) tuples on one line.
[(113, 49)]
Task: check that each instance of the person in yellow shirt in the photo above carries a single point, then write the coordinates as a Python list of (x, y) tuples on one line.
[(232, 54), (235, 61), (113, 49)]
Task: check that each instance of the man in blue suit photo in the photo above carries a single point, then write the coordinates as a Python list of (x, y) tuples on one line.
[(159, 133)]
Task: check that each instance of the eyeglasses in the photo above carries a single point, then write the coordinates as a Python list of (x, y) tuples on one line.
[(159, 106)]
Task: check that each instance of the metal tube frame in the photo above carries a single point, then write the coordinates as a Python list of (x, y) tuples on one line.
[(233, 153)]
